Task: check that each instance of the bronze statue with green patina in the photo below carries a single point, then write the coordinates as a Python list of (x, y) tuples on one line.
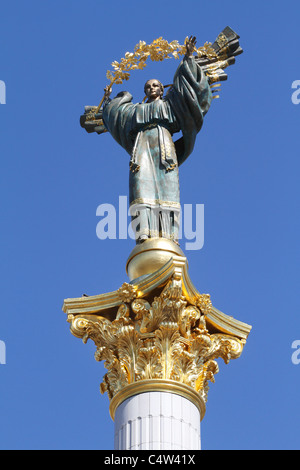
[(145, 130)]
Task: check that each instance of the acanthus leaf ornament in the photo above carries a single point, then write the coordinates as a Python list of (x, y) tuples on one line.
[(161, 338)]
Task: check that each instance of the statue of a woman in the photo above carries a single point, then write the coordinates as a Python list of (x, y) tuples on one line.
[(145, 131)]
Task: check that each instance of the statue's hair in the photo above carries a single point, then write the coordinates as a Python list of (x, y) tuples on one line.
[(160, 84)]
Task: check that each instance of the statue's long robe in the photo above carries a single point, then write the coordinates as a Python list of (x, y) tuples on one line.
[(145, 131)]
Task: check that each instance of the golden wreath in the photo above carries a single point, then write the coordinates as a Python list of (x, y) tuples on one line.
[(157, 51)]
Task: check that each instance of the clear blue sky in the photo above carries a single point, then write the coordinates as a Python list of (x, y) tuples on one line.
[(244, 169)]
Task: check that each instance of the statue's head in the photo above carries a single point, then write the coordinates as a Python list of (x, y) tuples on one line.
[(153, 89)]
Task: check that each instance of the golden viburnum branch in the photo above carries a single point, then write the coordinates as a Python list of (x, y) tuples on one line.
[(159, 50)]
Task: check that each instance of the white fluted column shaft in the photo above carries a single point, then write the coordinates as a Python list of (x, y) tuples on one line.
[(157, 421)]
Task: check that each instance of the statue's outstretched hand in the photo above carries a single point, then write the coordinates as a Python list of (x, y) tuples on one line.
[(107, 91), (190, 46)]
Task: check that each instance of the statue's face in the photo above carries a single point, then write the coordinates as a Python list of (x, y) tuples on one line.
[(153, 90)]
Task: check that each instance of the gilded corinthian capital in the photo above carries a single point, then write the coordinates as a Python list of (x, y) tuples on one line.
[(158, 333)]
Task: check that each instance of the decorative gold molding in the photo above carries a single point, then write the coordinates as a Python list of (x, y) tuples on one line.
[(157, 332), (127, 292), (158, 385), (106, 305)]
